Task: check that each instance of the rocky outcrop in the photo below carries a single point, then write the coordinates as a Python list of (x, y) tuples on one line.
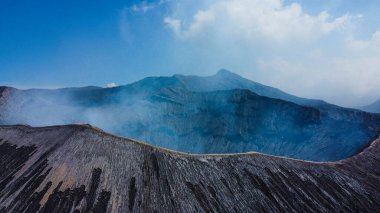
[(78, 168)]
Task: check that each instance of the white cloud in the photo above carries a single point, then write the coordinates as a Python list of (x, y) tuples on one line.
[(257, 19), (174, 24), (360, 75), (276, 43), (144, 6), (370, 46), (126, 30), (347, 79), (111, 85), (281, 45)]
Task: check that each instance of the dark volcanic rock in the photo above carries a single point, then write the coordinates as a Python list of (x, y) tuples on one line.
[(78, 168)]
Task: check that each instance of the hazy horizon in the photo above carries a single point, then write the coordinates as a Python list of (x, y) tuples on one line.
[(326, 50)]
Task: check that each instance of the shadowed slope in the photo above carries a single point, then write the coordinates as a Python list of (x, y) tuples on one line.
[(81, 169)]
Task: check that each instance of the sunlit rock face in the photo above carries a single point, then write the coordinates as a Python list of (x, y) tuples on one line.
[(77, 168), (224, 113)]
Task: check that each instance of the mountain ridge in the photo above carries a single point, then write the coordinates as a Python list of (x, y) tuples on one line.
[(226, 80), (221, 75), (164, 112)]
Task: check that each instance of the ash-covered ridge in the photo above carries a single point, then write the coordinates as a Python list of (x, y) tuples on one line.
[(77, 168)]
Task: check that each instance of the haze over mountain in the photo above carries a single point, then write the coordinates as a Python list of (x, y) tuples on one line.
[(328, 50), (227, 80), (77, 168), (188, 139), (224, 113), (374, 107)]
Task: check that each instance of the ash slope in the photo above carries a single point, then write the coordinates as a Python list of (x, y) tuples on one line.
[(81, 169)]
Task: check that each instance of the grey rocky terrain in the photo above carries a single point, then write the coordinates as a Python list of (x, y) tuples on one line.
[(78, 168)]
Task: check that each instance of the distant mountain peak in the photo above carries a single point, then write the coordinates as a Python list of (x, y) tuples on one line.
[(225, 72), (226, 80)]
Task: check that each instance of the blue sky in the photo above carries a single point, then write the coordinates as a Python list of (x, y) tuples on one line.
[(317, 49)]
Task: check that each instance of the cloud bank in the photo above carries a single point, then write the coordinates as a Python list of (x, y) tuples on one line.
[(280, 44), (320, 54), (256, 19)]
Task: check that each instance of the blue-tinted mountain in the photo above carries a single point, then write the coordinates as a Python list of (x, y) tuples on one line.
[(227, 80), (167, 112), (374, 107)]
